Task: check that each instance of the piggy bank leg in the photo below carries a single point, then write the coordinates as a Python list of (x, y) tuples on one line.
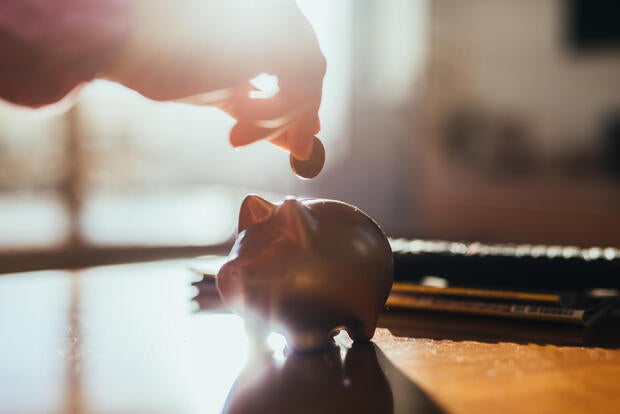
[(361, 334), (362, 331)]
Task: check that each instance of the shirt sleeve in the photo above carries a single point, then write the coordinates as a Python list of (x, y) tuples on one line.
[(47, 47)]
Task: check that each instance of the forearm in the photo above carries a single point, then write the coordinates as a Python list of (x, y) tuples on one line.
[(50, 46)]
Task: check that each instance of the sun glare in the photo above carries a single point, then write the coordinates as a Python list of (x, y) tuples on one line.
[(266, 84)]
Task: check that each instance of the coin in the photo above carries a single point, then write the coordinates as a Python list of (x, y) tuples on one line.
[(311, 167)]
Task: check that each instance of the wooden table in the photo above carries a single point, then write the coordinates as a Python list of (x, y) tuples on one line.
[(125, 339)]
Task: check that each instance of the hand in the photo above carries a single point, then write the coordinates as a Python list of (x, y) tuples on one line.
[(183, 48)]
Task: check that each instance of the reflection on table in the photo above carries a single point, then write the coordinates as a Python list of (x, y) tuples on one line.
[(125, 339)]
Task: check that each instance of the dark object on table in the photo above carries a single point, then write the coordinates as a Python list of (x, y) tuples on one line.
[(582, 308), (522, 267)]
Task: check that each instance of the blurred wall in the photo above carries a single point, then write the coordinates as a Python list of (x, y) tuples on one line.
[(514, 56), (508, 131)]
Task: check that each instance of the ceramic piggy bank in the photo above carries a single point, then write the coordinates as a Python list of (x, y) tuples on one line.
[(306, 268)]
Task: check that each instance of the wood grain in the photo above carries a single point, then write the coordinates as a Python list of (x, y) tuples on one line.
[(469, 376)]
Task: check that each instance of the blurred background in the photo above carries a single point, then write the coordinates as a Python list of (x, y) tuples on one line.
[(495, 121)]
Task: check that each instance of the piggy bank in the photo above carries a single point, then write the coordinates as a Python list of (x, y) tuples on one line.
[(306, 268)]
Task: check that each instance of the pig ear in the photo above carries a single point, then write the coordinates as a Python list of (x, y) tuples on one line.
[(254, 209), (295, 221)]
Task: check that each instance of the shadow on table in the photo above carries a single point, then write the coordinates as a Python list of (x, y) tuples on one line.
[(358, 380), (605, 334)]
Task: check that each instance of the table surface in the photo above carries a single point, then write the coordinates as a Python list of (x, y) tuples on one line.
[(128, 339)]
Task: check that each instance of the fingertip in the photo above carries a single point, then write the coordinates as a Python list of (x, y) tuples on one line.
[(247, 133), (301, 145), (317, 126), (243, 134), (235, 136), (302, 136)]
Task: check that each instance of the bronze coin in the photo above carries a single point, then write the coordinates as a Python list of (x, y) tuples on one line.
[(311, 167)]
